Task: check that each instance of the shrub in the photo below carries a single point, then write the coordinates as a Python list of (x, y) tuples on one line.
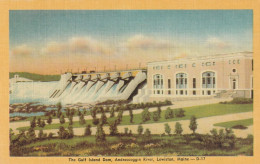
[(40, 134), (62, 120), (168, 113), (103, 118), (178, 128), (49, 121), (146, 116), (126, 131), (100, 135), (113, 127), (131, 115), (31, 134), (193, 124), (70, 120), (140, 129), (167, 128), (112, 112), (147, 133), (179, 112), (70, 131), (33, 122), (159, 110), (156, 116), (62, 133), (239, 100), (50, 135), (95, 121), (87, 130)]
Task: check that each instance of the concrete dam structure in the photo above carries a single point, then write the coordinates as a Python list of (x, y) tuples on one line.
[(98, 87)]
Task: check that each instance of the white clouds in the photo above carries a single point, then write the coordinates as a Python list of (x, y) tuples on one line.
[(77, 45), (217, 43), (22, 50), (147, 42)]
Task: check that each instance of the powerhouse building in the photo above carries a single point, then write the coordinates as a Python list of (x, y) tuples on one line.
[(200, 77)]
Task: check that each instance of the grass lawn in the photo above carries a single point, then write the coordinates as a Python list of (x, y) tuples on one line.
[(198, 111), (229, 124)]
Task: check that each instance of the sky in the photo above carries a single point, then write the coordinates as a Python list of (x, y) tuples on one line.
[(55, 41)]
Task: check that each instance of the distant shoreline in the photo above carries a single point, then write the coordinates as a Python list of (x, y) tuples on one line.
[(35, 77)]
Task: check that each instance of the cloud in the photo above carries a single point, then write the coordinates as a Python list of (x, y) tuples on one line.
[(146, 42), (22, 50), (78, 45), (218, 43)]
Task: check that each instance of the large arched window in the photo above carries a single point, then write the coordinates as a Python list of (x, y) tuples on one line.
[(208, 83), (158, 84), (181, 84), (208, 80)]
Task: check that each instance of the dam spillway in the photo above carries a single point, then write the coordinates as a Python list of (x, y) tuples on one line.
[(98, 87)]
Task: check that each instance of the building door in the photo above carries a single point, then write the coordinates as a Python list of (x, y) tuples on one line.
[(234, 84)]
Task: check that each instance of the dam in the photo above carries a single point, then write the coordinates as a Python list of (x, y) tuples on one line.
[(97, 87)]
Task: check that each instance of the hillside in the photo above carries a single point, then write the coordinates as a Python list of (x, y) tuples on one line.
[(35, 77)]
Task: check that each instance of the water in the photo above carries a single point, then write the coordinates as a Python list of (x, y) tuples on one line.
[(26, 114)]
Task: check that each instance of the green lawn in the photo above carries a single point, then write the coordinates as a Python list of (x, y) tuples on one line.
[(229, 124), (198, 111), (35, 77)]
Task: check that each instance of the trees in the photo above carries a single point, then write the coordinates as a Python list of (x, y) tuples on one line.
[(31, 134), (100, 135), (131, 115), (41, 135), (112, 112), (156, 116), (147, 133), (167, 128), (93, 112), (87, 130), (62, 133), (33, 122), (103, 118), (82, 119), (113, 127), (59, 113), (140, 129), (193, 124), (169, 113), (120, 116), (178, 128), (126, 131), (159, 110), (179, 113), (95, 121), (70, 131), (49, 121), (146, 116), (70, 120), (62, 119)]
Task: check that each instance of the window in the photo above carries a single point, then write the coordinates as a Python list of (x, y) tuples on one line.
[(169, 83), (181, 83), (234, 70), (208, 80), (193, 64), (194, 92), (169, 67), (213, 63), (180, 65), (208, 63), (238, 61), (158, 84), (194, 82), (234, 61)]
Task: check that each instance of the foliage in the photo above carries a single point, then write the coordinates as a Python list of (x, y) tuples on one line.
[(239, 100), (70, 131), (126, 131), (87, 130), (167, 128), (178, 128), (62, 119), (49, 121), (103, 118), (140, 129), (31, 134), (179, 113), (82, 120), (193, 124), (146, 116), (33, 122), (100, 135), (95, 121), (169, 113), (70, 120), (156, 115), (113, 127), (62, 133), (112, 112), (131, 115), (147, 133), (159, 110)]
